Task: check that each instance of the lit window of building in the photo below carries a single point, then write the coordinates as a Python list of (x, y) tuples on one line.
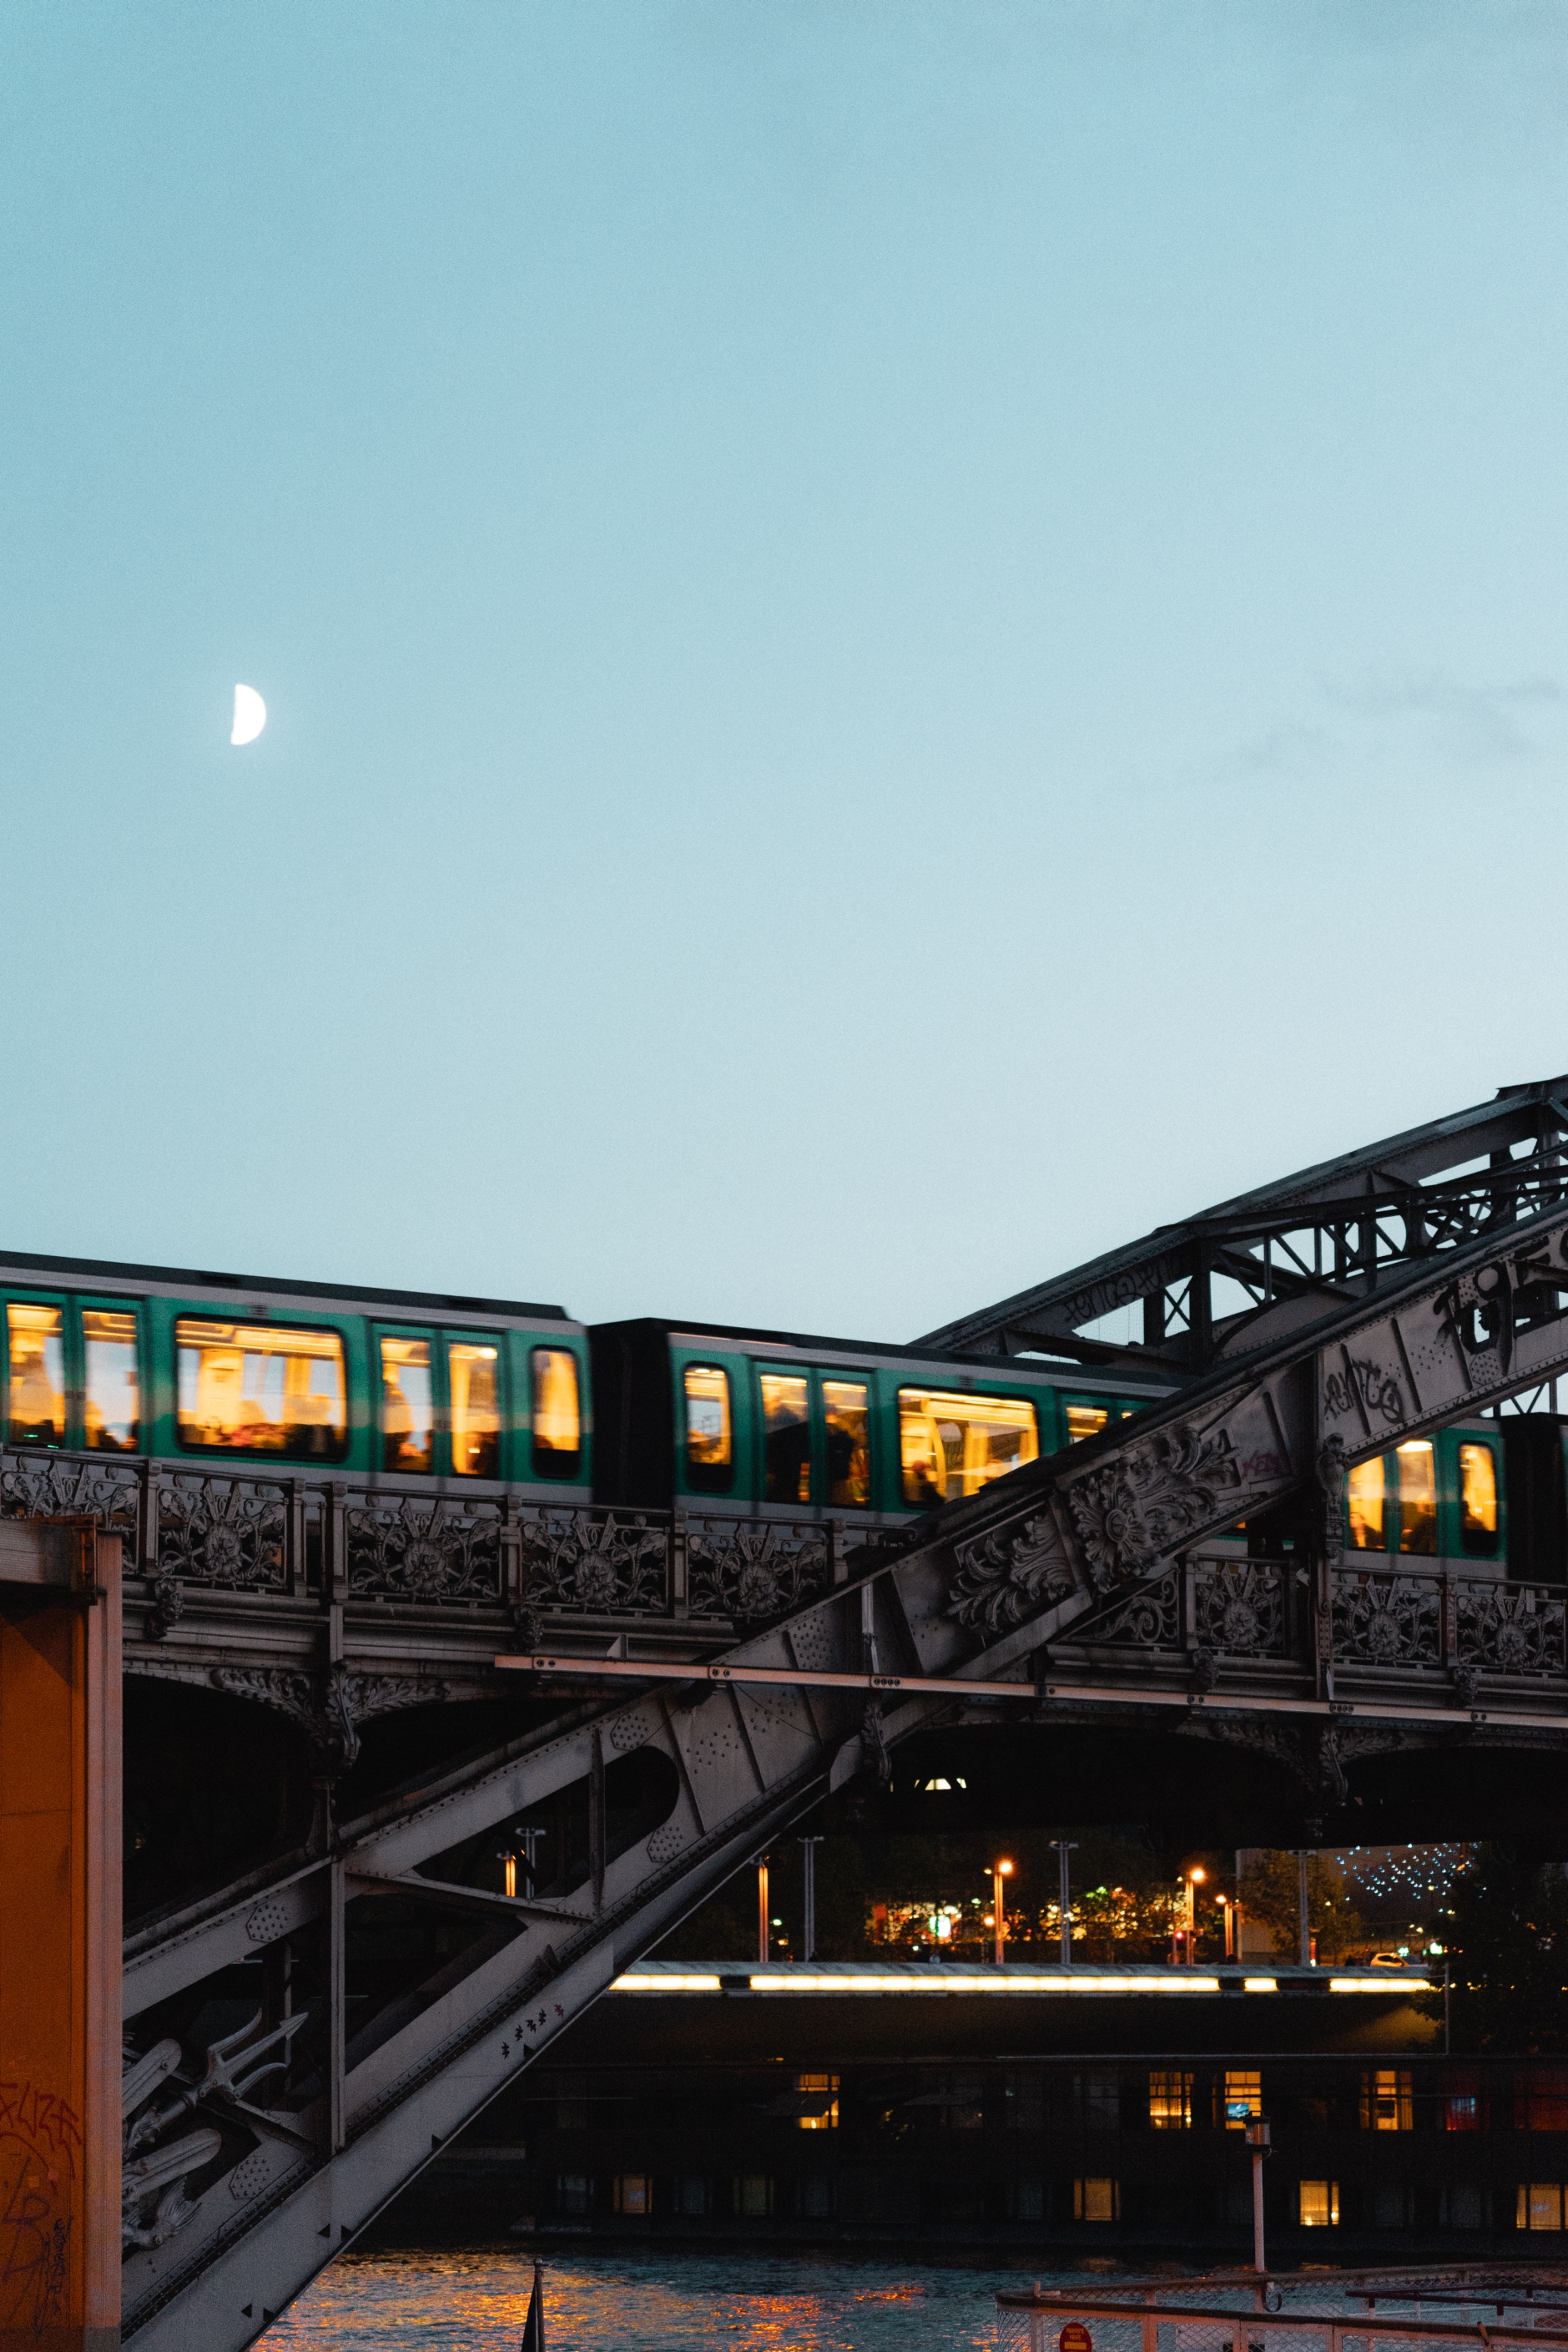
[(819, 2095), (1318, 2204), (1096, 2201), (1170, 2102)]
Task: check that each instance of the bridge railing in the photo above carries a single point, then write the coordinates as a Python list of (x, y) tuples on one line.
[(371, 1544)]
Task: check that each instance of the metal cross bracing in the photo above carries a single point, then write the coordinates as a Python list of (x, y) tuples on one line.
[(376, 2042), (1278, 1258)]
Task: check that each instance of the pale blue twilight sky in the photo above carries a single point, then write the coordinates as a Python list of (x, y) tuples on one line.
[(902, 639)]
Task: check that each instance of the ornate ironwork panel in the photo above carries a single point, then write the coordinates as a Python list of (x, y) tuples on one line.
[(53, 1486), (224, 1531), (437, 1550), (1238, 1607), (611, 1563), (753, 1568), (1511, 1629), (1387, 1621), (1149, 1620)]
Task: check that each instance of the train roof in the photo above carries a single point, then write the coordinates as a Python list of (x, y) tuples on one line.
[(192, 1278), (816, 1342)]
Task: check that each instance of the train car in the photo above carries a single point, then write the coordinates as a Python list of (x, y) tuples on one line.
[(222, 1368), (724, 1420)]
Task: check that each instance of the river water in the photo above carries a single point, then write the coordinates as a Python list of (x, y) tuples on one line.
[(642, 2302)]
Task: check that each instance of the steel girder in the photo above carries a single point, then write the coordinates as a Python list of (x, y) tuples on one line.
[(1298, 1248), (984, 1586)]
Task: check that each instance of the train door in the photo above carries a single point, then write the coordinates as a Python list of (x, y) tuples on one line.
[(37, 1391), (405, 1380)]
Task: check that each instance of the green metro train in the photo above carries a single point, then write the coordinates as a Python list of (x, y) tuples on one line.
[(472, 1393)]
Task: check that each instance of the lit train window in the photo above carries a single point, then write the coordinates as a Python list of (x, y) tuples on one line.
[(1418, 1497), (786, 1438), (1478, 1501), (113, 1396), (254, 1388), (472, 1372), (408, 1406), (1365, 1505), (1085, 1420), (38, 1374), (954, 1445), (844, 1402), (557, 1413), (710, 1442)]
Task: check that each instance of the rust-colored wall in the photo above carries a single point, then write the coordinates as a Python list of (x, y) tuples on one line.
[(59, 1958)]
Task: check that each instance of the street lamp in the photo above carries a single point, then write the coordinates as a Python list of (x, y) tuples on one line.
[(999, 1871), (1186, 1935)]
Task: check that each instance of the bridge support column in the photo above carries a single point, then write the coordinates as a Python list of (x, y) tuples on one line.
[(59, 1937)]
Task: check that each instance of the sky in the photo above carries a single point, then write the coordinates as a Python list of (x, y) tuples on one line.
[(901, 640)]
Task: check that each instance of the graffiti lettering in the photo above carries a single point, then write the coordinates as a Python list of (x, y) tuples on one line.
[(40, 2139), (1366, 1384)]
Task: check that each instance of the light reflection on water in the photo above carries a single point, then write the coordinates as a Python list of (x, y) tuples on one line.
[(740, 2300)]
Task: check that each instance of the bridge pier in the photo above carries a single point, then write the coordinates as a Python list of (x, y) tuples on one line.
[(59, 1937)]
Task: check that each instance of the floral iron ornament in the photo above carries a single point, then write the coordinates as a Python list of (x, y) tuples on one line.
[(1138, 1510)]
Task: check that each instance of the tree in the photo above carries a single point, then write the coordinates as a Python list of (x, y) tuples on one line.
[(1506, 1931), (1270, 1897)]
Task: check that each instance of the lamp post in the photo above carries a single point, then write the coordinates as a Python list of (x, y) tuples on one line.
[(999, 1871), (1257, 2141), (762, 1909), (1187, 1933), (1065, 1846), (809, 1852), (1304, 1922)]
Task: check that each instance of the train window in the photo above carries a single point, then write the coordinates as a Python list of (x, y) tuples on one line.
[(845, 1406), (37, 1339), (710, 1442), (113, 1398), (557, 1413), (256, 1388), (1418, 1497), (1365, 1504), (786, 1438), (952, 1445), (1085, 1420), (1478, 1501), (408, 1406), (472, 1385)]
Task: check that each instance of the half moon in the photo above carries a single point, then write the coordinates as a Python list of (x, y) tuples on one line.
[(250, 715)]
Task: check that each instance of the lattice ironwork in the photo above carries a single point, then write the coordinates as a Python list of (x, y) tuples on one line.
[(609, 1563), (52, 1485), (231, 1532), (1511, 1629), (1387, 1621), (752, 1568), (1238, 1609), (431, 1551)]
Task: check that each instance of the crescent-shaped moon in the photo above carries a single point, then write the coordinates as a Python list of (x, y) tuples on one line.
[(250, 715)]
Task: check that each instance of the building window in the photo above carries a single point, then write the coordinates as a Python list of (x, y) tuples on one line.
[(38, 1374), (408, 1406), (113, 1394), (846, 1407), (557, 1412), (1539, 2206), (954, 1445), (691, 2195), (814, 2197), (786, 1437), (1318, 2204), (573, 2192), (710, 1442), (473, 1372), (1418, 1497), (819, 2095), (1365, 1505), (1096, 2201), (1026, 2200), (1241, 2099), (1385, 2102), (1170, 2102), (1462, 2111), (1461, 2205), (632, 2193), (256, 1388), (1478, 1501), (753, 2196)]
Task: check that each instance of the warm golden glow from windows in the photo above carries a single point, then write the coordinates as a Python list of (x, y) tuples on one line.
[(710, 1442), (819, 2095), (954, 1445), (1365, 1505), (408, 1406), (256, 1388), (1085, 1420), (846, 1404), (1170, 2102), (1478, 1501), (1242, 2098), (1318, 2204), (1418, 1497), (786, 1438), (1095, 2200), (557, 1412), (1386, 2101), (473, 1377), (38, 1374), (113, 1393)]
